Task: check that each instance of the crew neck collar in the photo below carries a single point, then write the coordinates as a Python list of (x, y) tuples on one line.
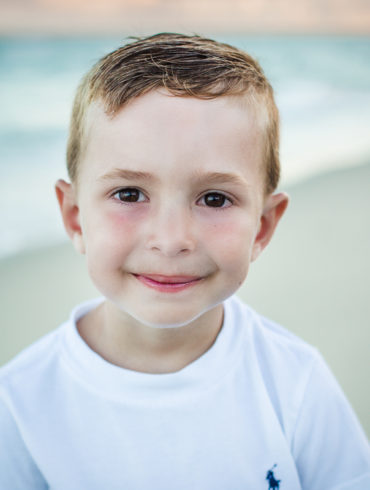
[(122, 384)]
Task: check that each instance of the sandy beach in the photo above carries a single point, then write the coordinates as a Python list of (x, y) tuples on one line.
[(313, 279), (142, 16)]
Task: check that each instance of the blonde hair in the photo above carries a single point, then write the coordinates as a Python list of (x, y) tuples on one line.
[(190, 66)]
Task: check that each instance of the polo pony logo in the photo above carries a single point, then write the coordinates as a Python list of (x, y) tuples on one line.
[(273, 483)]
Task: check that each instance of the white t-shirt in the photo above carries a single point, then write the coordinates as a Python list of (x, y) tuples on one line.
[(258, 400)]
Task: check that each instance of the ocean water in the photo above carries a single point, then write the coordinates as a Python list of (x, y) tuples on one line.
[(322, 87)]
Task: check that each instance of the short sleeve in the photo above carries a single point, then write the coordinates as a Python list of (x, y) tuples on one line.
[(329, 445), (18, 471)]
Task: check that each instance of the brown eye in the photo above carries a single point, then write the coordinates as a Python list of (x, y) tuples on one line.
[(130, 194), (215, 200)]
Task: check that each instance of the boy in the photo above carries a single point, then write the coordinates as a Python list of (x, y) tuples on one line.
[(169, 381)]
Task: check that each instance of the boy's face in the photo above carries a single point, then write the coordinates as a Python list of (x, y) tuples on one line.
[(170, 208)]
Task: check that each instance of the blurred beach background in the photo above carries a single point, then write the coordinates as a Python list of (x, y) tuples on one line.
[(314, 277)]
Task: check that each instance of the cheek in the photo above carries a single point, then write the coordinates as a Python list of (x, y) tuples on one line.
[(230, 234), (113, 223), (121, 220), (230, 242), (109, 235)]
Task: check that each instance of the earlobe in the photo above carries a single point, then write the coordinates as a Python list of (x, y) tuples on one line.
[(274, 209), (70, 213)]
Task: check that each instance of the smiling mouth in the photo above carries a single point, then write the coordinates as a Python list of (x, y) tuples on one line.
[(168, 283)]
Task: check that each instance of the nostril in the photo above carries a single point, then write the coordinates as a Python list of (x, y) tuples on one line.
[(171, 232), (171, 249)]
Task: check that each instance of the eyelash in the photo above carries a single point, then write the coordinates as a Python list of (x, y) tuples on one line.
[(209, 193), (128, 189), (224, 197)]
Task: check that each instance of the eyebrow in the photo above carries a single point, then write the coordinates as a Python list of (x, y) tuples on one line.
[(121, 173), (208, 178), (220, 178)]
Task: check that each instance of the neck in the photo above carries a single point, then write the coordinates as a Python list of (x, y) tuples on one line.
[(125, 342)]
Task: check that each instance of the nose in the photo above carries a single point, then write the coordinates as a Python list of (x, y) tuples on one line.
[(171, 231)]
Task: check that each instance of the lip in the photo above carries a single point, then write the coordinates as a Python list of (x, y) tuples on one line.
[(168, 284)]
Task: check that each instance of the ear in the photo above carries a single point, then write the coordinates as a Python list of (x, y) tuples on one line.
[(70, 213), (273, 210)]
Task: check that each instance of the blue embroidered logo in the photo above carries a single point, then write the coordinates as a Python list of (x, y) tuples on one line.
[(273, 483)]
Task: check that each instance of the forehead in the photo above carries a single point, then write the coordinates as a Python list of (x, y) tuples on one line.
[(159, 130)]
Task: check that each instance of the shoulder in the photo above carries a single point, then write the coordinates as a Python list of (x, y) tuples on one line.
[(28, 365), (37, 363), (271, 342), (306, 398), (280, 363), (279, 355), (34, 356), (22, 381)]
